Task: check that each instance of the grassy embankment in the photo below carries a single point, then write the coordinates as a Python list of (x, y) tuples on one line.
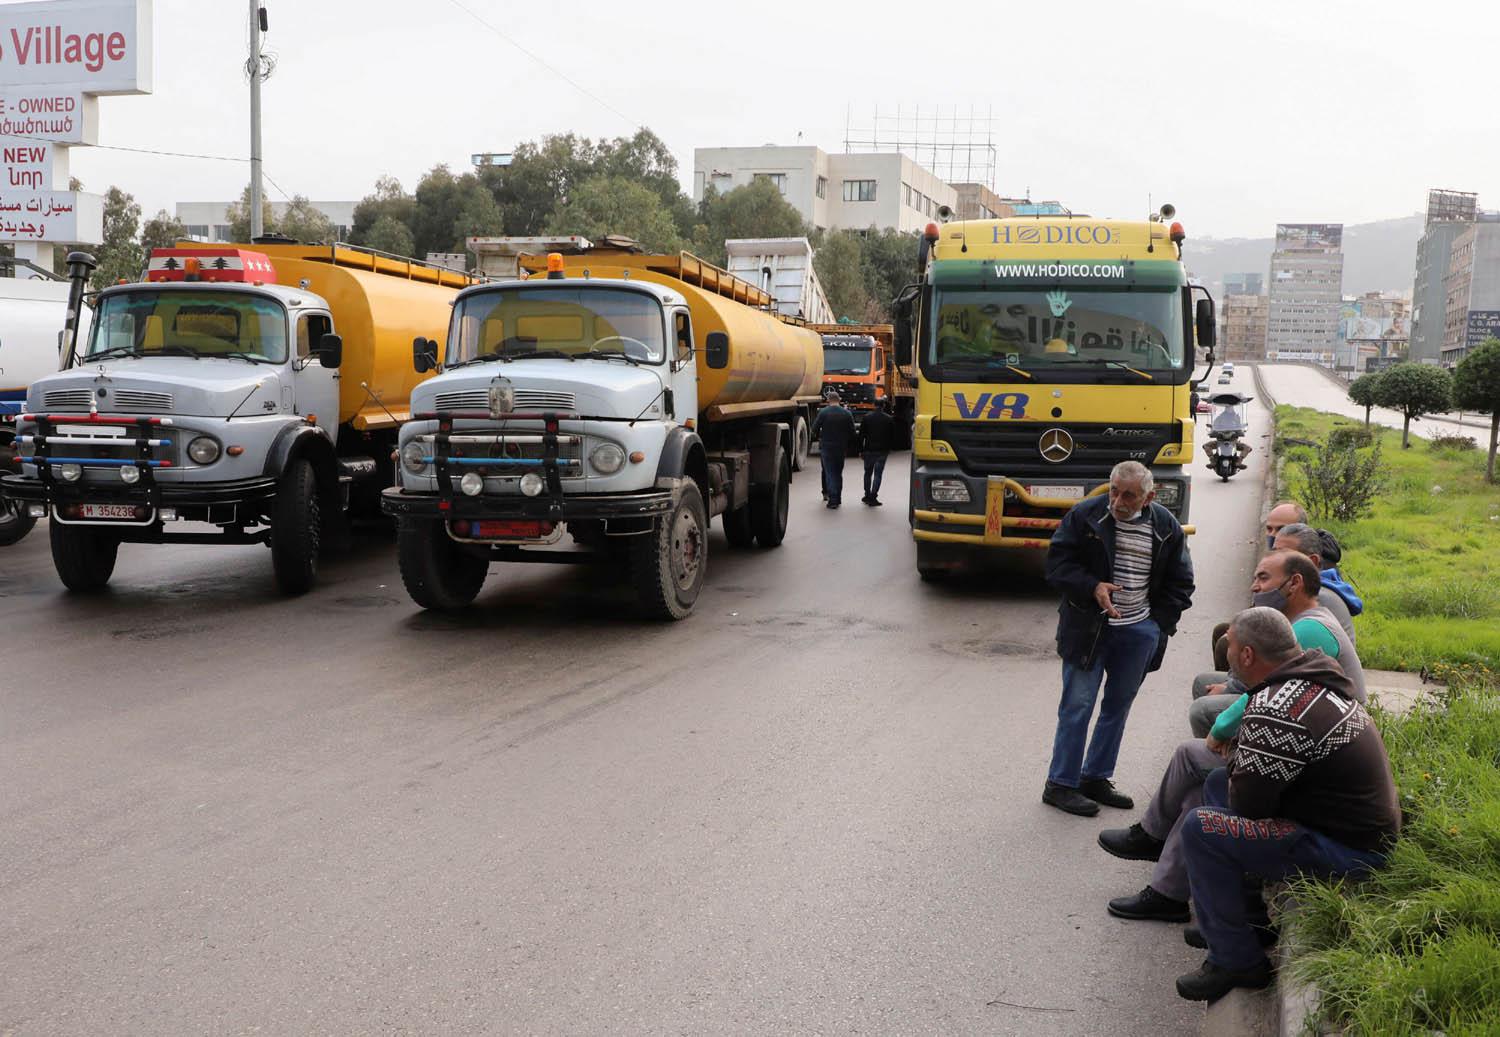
[(1415, 949), (1426, 562)]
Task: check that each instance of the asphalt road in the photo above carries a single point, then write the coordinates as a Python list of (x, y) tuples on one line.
[(1306, 387), (813, 807)]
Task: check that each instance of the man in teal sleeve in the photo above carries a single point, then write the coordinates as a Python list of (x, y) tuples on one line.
[(1287, 581)]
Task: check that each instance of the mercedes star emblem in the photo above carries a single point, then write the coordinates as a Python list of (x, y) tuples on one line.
[(1055, 445)]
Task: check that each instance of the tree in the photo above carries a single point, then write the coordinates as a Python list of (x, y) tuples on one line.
[(1363, 392), (389, 201), (888, 263), (753, 210), (837, 264), (302, 221), (1476, 385), (450, 208), (119, 254), (617, 205), (161, 231), (1415, 390), (389, 234), (239, 217)]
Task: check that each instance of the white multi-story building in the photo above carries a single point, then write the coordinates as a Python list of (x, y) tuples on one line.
[(882, 190), (209, 221), (1307, 291)]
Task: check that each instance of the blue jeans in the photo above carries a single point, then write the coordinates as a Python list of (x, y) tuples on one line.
[(1120, 664), (833, 475), (874, 469), (1220, 848)]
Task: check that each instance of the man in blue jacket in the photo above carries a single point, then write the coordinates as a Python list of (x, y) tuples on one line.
[(1122, 565)]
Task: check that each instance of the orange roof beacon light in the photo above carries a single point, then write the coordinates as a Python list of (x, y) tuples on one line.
[(191, 268), (554, 266), (1178, 234), (931, 232)]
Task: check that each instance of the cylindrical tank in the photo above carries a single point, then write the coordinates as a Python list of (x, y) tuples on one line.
[(378, 312)]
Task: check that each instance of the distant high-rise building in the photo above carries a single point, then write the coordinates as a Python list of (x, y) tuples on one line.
[(1245, 326), (1307, 282), (1449, 214), (1248, 283), (1471, 289)]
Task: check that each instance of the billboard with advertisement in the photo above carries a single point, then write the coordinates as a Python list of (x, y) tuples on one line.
[(89, 46), (1322, 237), (1483, 324), (62, 216)]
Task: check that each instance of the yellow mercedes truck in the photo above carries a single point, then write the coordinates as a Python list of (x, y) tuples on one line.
[(1047, 350)]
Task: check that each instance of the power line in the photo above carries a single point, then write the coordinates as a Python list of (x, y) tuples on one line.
[(550, 68)]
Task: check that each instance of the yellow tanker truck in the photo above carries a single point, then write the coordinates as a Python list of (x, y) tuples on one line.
[(623, 399), (257, 389)]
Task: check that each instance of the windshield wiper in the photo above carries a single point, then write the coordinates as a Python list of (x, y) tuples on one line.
[(114, 351), (989, 363), (177, 347), (632, 361), (1105, 362), (240, 355)]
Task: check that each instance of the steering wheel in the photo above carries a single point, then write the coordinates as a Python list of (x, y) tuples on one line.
[(640, 352)]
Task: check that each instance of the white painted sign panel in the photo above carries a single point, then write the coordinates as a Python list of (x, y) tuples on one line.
[(91, 46), (32, 165), (66, 216), (66, 117)]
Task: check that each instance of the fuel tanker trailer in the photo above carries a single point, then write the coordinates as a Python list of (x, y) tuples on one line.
[(622, 399), (239, 395)]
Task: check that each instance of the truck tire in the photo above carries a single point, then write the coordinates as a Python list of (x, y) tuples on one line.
[(738, 529), (667, 565), (83, 556), (801, 444), (15, 523), (296, 526), (769, 507), (438, 574)]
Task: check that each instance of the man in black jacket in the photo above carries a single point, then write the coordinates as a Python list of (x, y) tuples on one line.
[(877, 433), (1122, 565), (834, 430)]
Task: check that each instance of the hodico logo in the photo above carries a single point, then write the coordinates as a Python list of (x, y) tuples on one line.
[(1054, 234)]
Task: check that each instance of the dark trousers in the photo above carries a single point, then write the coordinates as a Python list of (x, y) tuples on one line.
[(874, 469), (1120, 665), (833, 474), (1221, 848)]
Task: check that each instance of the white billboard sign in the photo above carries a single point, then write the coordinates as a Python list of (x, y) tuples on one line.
[(66, 216), (66, 117), (89, 46), (32, 165)]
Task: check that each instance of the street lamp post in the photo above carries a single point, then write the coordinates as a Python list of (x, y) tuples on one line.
[(254, 67)]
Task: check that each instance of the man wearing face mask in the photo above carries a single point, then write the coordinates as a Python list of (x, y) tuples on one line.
[(1122, 565), (1281, 582), (1282, 514)]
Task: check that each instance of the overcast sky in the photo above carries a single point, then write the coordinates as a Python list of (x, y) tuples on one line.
[(1241, 114)]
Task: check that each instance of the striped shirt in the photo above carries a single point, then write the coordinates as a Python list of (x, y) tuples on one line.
[(1133, 541)]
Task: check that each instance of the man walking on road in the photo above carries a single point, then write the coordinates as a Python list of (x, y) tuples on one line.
[(877, 433), (1122, 565), (833, 428)]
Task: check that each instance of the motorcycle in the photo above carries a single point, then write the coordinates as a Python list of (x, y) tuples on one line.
[(1226, 432)]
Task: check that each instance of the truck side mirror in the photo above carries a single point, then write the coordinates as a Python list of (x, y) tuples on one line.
[(902, 308), (423, 354), (1207, 326), (331, 350), (716, 350)]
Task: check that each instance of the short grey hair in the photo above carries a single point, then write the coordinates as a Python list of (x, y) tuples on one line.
[(1267, 631), (1133, 471), (1309, 540)]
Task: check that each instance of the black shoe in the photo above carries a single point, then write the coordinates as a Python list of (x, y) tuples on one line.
[(1266, 934), (1131, 844), (1210, 982), (833, 504), (1103, 792), (1149, 906), (1068, 799), (866, 500), (876, 503)]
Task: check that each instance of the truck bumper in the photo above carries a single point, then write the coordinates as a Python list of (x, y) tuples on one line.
[(579, 508), (55, 493)]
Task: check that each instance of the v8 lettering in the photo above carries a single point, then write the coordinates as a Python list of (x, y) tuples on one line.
[(1009, 405)]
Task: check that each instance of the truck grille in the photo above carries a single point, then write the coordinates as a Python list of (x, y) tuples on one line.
[(68, 399), (141, 400), (1014, 448), (526, 399)]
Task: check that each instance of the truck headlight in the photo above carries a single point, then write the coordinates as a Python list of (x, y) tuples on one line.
[(607, 459), (948, 491), (130, 475), (532, 484), (414, 457), (1169, 494), (472, 484), (69, 472), (204, 450)]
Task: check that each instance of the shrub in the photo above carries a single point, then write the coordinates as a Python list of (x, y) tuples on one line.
[(1340, 482), (1347, 436), (1452, 441)]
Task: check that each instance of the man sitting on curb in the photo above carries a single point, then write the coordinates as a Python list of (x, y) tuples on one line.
[(1304, 539), (1308, 790), (1294, 589), (1156, 836), (1282, 514)]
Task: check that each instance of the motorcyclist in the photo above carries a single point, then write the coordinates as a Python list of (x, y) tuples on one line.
[(1229, 420)]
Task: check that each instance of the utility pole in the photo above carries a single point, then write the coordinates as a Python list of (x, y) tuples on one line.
[(254, 67)]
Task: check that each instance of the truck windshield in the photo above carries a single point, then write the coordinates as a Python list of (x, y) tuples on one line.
[(1045, 329), (190, 323), (846, 360), (586, 321)]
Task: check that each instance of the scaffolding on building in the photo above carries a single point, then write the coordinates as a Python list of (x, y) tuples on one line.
[(1451, 206), (956, 147)]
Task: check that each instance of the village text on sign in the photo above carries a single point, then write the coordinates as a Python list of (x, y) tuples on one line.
[(68, 216), (91, 46)]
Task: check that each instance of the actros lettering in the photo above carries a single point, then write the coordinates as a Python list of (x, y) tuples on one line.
[(1001, 405)]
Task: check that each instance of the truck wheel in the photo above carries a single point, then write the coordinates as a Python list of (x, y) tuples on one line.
[(84, 557), (668, 564), (438, 574), (15, 523), (738, 529), (801, 444), (769, 508), (296, 524)]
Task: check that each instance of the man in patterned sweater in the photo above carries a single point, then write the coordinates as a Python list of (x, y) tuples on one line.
[(1308, 790)]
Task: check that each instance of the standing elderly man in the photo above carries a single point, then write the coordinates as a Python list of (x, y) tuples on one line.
[(1308, 790), (834, 430), (1122, 565)]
